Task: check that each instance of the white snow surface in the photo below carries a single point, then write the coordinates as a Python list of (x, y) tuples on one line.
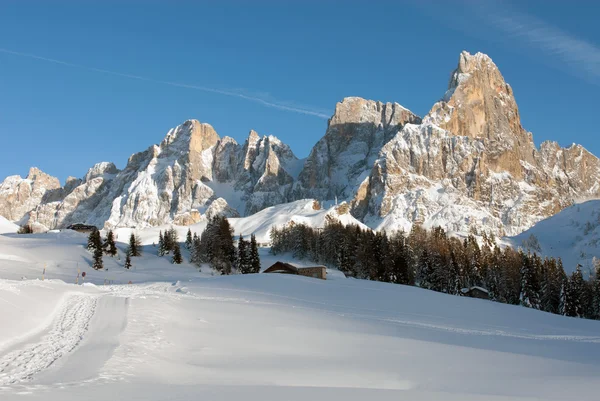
[(177, 333), (7, 226), (259, 224), (573, 234)]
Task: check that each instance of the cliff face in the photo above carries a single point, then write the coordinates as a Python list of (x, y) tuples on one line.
[(471, 165), (191, 173), (467, 165), (20, 195), (355, 135)]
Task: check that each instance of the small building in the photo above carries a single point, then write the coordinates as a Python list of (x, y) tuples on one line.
[(288, 268), (82, 228), (476, 292)]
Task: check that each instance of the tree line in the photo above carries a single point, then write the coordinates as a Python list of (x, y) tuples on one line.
[(434, 260), (99, 247), (215, 246)]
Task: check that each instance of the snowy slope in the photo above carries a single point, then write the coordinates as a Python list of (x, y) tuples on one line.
[(7, 226), (300, 212), (176, 333), (573, 235), (259, 224)]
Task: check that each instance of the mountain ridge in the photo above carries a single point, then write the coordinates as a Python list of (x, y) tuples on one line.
[(467, 165)]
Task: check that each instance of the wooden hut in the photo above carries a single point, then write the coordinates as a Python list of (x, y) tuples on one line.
[(288, 268)]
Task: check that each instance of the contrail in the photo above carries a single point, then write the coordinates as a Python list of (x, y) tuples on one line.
[(275, 105)]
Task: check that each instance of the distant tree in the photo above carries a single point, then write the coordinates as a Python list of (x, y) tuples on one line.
[(161, 244), (195, 252), (216, 245), (135, 245), (177, 259), (254, 256), (243, 258), (532, 244), (528, 296), (577, 292), (97, 265), (127, 261), (109, 244), (94, 241), (188, 240)]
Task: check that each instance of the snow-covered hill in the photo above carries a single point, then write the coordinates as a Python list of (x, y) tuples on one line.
[(179, 334), (7, 226), (305, 211), (573, 235)]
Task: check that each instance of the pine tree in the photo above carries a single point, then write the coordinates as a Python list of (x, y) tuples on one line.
[(173, 239), (254, 256), (195, 251), (161, 244), (188, 240), (528, 296), (576, 293), (243, 258), (90, 241), (127, 261), (177, 259), (109, 244), (94, 241), (98, 259), (595, 283), (134, 245)]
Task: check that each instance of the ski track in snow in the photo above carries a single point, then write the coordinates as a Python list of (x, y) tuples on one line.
[(66, 332)]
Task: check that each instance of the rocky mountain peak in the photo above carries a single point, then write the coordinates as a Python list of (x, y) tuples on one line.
[(42, 179), (356, 110), (100, 170), (356, 133)]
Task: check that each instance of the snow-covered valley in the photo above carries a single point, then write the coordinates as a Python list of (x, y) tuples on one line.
[(176, 333)]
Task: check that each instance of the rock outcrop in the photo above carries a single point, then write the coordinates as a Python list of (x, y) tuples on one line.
[(190, 175), (468, 165), (20, 195), (355, 135)]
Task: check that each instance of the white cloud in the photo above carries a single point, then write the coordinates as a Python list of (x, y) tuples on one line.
[(239, 94), (581, 57)]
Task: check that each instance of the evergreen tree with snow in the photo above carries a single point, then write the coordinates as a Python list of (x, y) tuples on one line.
[(97, 265), (243, 259), (195, 251), (127, 261), (528, 296), (577, 288), (254, 256), (109, 244), (161, 244), (177, 259), (135, 245), (94, 241), (188, 240), (91, 241)]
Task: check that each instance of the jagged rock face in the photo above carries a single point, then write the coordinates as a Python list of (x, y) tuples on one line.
[(468, 164), (471, 165), (175, 182), (355, 135), (268, 172), (20, 195)]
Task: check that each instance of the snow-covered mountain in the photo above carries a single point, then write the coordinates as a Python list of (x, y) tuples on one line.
[(467, 165), (572, 234)]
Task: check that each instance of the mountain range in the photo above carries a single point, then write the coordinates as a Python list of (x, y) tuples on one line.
[(468, 165)]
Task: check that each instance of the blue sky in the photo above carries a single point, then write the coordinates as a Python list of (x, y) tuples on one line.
[(278, 67)]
